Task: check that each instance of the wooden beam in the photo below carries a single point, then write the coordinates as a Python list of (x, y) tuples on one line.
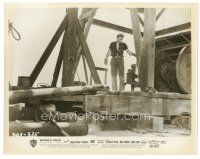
[(48, 129), (160, 14), (105, 77), (58, 66), (101, 69), (185, 38), (136, 34), (178, 35), (36, 71), (70, 48), (169, 30), (150, 16), (127, 103), (148, 52), (140, 10), (85, 69), (172, 47), (86, 15), (22, 96), (89, 22), (140, 20), (111, 26), (87, 54), (167, 41), (173, 29), (86, 31)]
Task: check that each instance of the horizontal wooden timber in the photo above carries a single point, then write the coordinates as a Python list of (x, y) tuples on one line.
[(129, 30), (173, 47), (131, 93), (101, 69), (179, 35), (111, 26), (173, 29), (47, 129), (129, 104), (158, 95), (132, 102), (21, 96), (77, 98), (19, 112)]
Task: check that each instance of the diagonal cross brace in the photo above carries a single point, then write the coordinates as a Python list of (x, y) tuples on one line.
[(87, 54)]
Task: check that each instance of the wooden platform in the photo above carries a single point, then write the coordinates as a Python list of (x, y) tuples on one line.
[(159, 104)]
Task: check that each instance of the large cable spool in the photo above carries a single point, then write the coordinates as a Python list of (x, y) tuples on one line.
[(183, 70), (173, 76), (165, 74)]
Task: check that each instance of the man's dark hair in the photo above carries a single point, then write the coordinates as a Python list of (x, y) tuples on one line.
[(120, 35)]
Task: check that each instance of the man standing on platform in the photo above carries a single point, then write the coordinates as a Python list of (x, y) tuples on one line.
[(116, 50)]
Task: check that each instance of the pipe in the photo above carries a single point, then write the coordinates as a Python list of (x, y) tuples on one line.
[(21, 96), (17, 112), (26, 128)]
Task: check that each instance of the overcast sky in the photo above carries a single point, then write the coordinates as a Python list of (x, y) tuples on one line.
[(37, 26)]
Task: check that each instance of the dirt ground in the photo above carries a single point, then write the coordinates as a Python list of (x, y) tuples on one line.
[(168, 131)]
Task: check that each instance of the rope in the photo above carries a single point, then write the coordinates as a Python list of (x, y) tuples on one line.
[(12, 30)]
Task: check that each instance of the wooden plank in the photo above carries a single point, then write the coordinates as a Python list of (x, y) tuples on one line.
[(48, 129), (111, 26), (158, 95), (59, 61), (148, 52), (150, 16), (125, 104), (136, 34), (101, 69), (69, 48), (172, 47), (89, 22), (185, 38), (36, 71), (77, 98), (86, 31), (172, 37), (160, 14), (86, 15), (167, 41), (105, 78), (85, 69), (173, 29), (140, 20), (169, 30), (87, 54), (58, 66), (22, 96)]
